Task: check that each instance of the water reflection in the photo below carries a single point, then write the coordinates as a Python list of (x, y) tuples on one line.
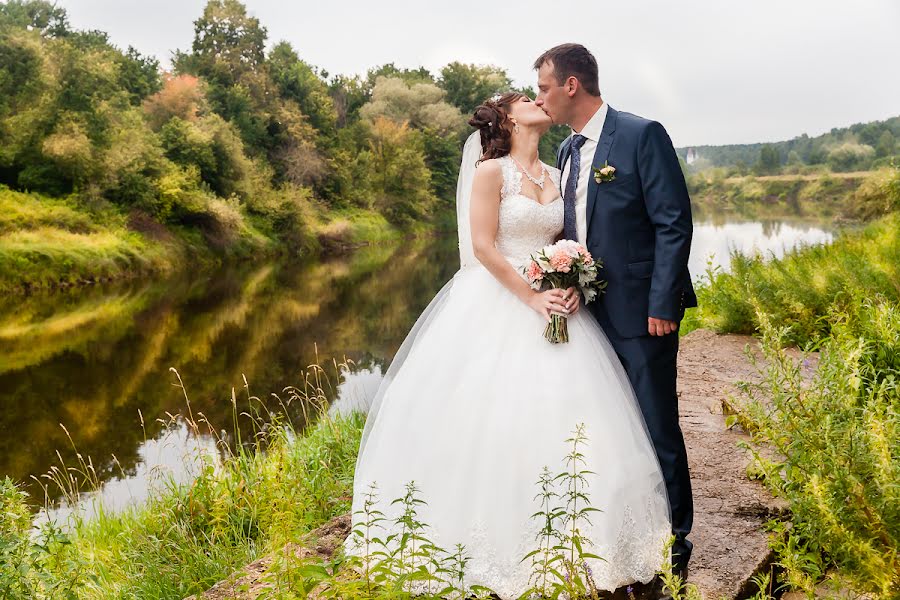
[(714, 241), (96, 359), (93, 360), (175, 457)]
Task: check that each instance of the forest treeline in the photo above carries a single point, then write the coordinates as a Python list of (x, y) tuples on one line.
[(241, 141), (860, 147)]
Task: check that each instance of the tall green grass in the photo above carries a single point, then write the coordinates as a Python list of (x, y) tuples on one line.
[(264, 491), (837, 442), (803, 287), (836, 432)]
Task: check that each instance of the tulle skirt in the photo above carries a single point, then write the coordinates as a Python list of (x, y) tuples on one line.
[(476, 403)]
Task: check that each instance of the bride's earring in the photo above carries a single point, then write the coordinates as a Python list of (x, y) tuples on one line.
[(515, 125)]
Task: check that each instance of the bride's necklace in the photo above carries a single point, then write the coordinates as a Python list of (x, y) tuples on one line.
[(537, 182)]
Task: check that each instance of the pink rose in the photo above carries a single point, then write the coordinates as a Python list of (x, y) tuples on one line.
[(588, 259), (535, 273), (561, 261)]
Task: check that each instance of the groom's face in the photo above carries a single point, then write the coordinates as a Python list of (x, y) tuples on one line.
[(552, 96)]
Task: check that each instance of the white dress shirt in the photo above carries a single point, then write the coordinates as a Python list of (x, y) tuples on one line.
[(591, 131)]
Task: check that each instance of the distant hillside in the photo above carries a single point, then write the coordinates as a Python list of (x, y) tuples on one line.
[(858, 147)]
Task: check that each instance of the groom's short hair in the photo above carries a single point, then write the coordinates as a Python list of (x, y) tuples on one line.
[(572, 60)]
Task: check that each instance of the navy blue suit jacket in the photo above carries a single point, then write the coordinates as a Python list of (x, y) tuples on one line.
[(639, 225)]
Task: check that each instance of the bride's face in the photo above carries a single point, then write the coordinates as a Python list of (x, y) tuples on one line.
[(528, 114)]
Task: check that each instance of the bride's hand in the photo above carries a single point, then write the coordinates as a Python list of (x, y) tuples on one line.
[(549, 301), (572, 299)]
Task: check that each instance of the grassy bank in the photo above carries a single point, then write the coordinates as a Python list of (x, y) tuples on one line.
[(835, 431), (46, 242), (53, 242), (802, 289), (266, 491), (820, 196)]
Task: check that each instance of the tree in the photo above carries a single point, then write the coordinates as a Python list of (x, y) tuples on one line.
[(769, 159), (139, 75), (35, 15), (227, 42), (410, 76), (886, 145), (299, 82), (467, 86), (349, 94), (850, 157), (400, 177), (70, 150), (422, 105), (181, 96)]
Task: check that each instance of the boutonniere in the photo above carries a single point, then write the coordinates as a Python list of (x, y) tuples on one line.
[(605, 173)]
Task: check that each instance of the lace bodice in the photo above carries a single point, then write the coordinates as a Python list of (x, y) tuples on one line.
[(525, 224)]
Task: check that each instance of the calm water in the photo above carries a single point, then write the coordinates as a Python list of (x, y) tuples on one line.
[(97, 360)]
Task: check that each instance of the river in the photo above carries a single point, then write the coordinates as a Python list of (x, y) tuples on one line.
[(88, 370)]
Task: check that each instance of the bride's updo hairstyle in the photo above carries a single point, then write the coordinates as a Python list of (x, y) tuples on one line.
[(492, 119)]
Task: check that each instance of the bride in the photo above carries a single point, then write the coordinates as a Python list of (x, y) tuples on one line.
[(476, 402)]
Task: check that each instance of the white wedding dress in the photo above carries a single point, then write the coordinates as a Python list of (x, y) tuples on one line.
[(477, 402)]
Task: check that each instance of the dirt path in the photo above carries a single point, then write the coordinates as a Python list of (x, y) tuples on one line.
[(729, 509)]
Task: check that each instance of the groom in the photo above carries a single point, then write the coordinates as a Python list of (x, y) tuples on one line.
[(635, 217)]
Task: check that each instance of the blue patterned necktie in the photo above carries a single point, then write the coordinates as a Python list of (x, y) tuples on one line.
[(570, 231)]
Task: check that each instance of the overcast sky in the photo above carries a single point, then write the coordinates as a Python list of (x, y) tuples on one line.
[(712, 71)]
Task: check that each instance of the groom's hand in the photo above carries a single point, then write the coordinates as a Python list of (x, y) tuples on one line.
[(660, 326)]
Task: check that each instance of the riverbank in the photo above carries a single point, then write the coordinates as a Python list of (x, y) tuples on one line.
[(50, 243), (278, 487), (827, 447), (822, 196)]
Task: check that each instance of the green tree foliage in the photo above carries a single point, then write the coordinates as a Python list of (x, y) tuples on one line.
[(858, 147), (887, 145), (298, 81), (442, 126), (228, 43), (421, 105), (235, 137), (44, 17), (850, 157), (139, 75), (769, 160), (467, 86), (400, 178), (410, 76), (349, 94)]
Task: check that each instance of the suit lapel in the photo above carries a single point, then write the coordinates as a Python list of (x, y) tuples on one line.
[(601, 155)]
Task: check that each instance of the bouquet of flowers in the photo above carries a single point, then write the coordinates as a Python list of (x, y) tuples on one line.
[(563, 265)]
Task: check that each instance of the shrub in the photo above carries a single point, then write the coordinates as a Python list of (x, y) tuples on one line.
[(836, 437)]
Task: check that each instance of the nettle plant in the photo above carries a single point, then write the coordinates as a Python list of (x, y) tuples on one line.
[(397, 559)]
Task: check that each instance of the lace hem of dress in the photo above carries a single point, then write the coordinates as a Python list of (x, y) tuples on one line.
[(635, 556)]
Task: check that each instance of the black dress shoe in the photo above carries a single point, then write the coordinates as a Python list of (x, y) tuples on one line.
[(682, 571), (655, 590)]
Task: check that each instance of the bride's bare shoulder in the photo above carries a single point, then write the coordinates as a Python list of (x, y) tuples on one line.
[(489, 171)]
